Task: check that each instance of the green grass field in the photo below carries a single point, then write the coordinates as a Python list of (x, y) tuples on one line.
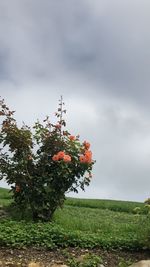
[(114, 205), (4, 193), (5, 196), (85, 223)]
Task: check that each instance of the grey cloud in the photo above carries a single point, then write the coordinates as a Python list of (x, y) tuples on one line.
[(109, 46)]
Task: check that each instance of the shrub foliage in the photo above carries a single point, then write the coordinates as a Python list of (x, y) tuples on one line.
[(42, 163)]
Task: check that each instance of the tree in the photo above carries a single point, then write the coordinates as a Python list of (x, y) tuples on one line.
[(43, 163)]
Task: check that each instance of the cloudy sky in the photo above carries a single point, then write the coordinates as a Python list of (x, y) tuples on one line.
[(96, 53)]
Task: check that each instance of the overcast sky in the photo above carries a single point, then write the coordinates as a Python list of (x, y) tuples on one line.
[(96, 53)]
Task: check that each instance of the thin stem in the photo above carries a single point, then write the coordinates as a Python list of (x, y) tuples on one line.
[(61, 113)]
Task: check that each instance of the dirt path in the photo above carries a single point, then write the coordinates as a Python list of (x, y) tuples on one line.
[(15, 257)]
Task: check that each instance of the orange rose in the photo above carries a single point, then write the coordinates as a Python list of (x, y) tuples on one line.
[(17, 188), (86, 145), (88, 156), (55, 158), (67, 158), (88, 153), (61, 155), (82, 159), (88, 159), (72, 137)]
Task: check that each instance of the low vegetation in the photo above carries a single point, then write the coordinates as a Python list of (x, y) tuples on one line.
[(78, 225)]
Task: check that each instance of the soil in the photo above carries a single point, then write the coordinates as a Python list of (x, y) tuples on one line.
[(22, 257)]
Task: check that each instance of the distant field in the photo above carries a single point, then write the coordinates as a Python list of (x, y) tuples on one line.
[(114, 205)]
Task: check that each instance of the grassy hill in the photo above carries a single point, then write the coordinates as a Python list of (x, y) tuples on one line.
[(82, 222), (113, 205)]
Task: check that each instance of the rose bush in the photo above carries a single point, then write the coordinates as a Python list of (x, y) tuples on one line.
[(43, 163)]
